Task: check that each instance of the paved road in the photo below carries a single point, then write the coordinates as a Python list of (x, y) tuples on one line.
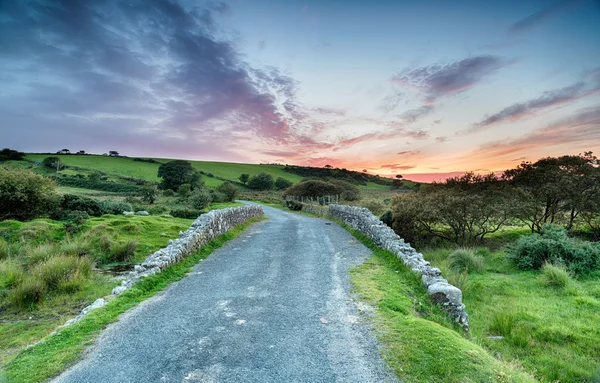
[(272, 305)]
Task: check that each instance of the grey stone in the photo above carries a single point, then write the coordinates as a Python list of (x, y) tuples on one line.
[(142, 212), (128, 213)]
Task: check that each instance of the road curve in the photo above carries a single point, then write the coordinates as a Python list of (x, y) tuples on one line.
[(272, 305)]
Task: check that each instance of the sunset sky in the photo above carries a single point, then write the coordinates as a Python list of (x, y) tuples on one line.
[(393, 87)]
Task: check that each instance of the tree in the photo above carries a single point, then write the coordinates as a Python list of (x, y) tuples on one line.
[(244, 178), (81, 152), (261, 181), (174, 173), (113, 153), (228, 190), (53, 163), (281, 183), (399, 176), (149, 193), (7, 154), (313, 189), (64, 151), (194, 179), (25, 195)]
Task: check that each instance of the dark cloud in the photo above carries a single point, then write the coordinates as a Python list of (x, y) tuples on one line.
[(441, 139), (543, 15), (158, 63), (437, 81), (408, 152), (523, 109)]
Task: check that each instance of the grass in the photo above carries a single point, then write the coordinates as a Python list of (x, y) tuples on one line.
[(551, 332), (57, 352), (419, 341)]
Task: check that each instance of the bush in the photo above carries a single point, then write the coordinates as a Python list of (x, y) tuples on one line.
[(27, 293), (312, 189), (75, 202), (114, 207), (346, 190), (555, 275), (375, 206), (168, 193), (184, 191), (216, 196), (122, 251), (186, 212), (387, 218), (53, 163), (150, 193), (25, 195), (11, 273), (554, 246), (293, 205), (262, 181), (200, 199), (281, 183), (229, 191), (465, 261)]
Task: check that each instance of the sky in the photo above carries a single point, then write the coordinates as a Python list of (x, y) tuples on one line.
[(426, 89)]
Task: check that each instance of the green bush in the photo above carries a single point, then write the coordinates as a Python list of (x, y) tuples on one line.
[(186, 212), (122, 251), (72, 202), (554, 246), (11, 273), (375, 206), (27, 293), (555, 275), (387, 218), (200, 199), (168, 193), (108, 206), (25, 195), (217, 196), (53, 163), (347, 190), (312, 189), (465, 261), (281, 183), (96, 183), (261, 181), (228, 190), (149, 193)]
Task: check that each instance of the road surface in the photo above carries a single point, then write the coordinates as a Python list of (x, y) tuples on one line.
[(272, 305)]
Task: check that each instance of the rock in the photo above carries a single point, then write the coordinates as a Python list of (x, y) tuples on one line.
[(495, 337), (445, 294), (118, 290), (142, 212), (128, 213)]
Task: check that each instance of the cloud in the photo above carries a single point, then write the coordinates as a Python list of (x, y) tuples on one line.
[(397, 167), (441, 139), (525, 109), (413, 115), (543, 15), (158, 63), (408, 153), (438, 81)]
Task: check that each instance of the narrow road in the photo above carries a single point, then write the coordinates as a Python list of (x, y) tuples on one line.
[(272, 305)]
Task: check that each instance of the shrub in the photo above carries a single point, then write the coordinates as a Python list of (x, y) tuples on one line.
[(27, 293), (312, 189), (346, 190), (216, 196), (387, 218), (122, 251), (75, 221), (262, 181), (465, 260), (53, 163), (375, 206), (229, 191), (168, 193), (149, 193), (11, 273), (200, 199), (554, 246), (244, 177), (25, 195), (555, 275), (281, 183), (184, 191), (186, 212), (76, 202), (108, 206), (293, 205), (7, 154)]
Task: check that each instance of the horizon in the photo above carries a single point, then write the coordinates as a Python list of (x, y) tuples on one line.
[(425, 90)]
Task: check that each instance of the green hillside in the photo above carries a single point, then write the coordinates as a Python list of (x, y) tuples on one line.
[(127, 167)]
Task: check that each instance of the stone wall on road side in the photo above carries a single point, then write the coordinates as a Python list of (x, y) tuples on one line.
[(443, 293), (205, 228)]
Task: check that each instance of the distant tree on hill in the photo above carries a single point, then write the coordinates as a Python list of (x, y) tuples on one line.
[(174, 173), (81, 152), (281, 183), (64, 151), (113, 153), (262, 181), (244, 178), (7, 154), (399, 176)]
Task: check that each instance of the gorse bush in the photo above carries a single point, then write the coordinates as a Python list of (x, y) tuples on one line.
[(186, 212), (71, 202), (114, 207), (465, 260), (555, 275), (200, 199), (554, 246), (281, 183), (229, 191)]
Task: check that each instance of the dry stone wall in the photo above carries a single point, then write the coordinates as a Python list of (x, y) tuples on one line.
[(205, 228), (446, 295)]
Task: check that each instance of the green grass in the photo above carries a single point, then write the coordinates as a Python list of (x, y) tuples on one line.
[(552, 332), (419, 341), (55, 353)]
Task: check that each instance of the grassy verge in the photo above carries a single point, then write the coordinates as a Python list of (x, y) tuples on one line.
[(551, 331), (418, 340), (57, 352)]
